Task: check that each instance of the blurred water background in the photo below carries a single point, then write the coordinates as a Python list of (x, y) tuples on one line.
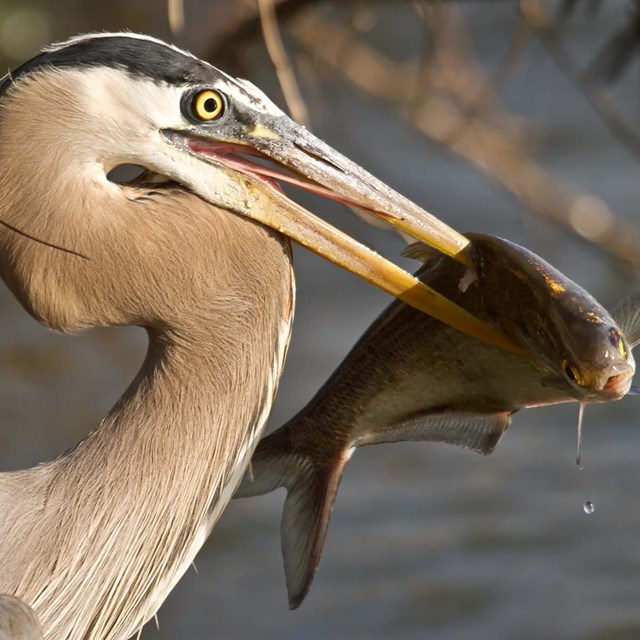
[(426, 541)]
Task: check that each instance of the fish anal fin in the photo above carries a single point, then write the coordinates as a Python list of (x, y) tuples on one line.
[(479, 432), (627, 316)]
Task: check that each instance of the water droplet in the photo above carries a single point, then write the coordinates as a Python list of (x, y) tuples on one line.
[(588, 507)]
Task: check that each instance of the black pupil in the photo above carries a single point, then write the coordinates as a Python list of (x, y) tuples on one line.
[(614, 337), (210, 105), (569, 371)]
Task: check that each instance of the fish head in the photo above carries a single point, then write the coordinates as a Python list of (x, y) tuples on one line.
[(596, 362), (570, 337)]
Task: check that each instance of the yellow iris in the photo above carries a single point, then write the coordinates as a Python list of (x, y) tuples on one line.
[(207, 105)]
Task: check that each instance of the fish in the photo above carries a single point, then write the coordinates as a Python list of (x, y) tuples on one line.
[(413, 378)]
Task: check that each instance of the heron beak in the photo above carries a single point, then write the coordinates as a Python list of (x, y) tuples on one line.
[(305, 161)]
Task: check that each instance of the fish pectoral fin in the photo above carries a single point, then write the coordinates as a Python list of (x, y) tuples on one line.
[(627, 316), (479, 432), (311, 492)]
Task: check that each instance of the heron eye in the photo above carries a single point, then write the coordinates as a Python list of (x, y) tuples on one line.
[(207, 105), (570, 372)]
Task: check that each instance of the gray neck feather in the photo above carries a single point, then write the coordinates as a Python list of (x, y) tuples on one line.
[(119, 518)]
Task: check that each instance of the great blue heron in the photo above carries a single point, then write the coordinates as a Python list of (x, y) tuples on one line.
[(95, 540)]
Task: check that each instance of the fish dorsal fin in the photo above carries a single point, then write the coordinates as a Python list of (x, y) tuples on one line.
[(475, 431), (421, 252), (627, 316), (311, 492)]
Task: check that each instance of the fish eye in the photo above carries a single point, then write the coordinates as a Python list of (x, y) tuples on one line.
[(570, 372), (616, 340), (206, 105)]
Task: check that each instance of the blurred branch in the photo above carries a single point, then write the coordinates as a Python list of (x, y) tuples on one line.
[(485, 99), (568, 7), (452, 71), (175, 14), (536, 18), (278, 55), (617, 54), (483, 141), (229, 25)]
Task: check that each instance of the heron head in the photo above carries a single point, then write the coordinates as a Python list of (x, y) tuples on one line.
[(129, 99)]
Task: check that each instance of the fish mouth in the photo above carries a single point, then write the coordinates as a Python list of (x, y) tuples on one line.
[(617, 386), (612, 385)]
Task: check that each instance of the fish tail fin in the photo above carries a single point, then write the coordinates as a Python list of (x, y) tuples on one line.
[(311, 492), (305, 520)]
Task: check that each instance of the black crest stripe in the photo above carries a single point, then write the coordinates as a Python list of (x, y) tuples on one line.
[(138, 56)]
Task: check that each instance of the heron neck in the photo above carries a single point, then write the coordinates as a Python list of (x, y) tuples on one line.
[(135, 500), (180, 438), (196, 408)]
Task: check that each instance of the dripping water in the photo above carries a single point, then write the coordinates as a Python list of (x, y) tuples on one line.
[(579, 447), (587, 507)]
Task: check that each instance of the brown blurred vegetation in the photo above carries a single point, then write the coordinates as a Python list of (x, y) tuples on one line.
[(443, 91), (451, 95), (437, 82)]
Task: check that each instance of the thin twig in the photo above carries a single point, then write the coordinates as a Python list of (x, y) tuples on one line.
[(535, 17), (451, 69), (281, 63), (175, 15), (425, 57), (486, 145), (484, 100)]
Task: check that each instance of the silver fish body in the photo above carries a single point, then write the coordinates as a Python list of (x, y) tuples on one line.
[(413, 378)]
